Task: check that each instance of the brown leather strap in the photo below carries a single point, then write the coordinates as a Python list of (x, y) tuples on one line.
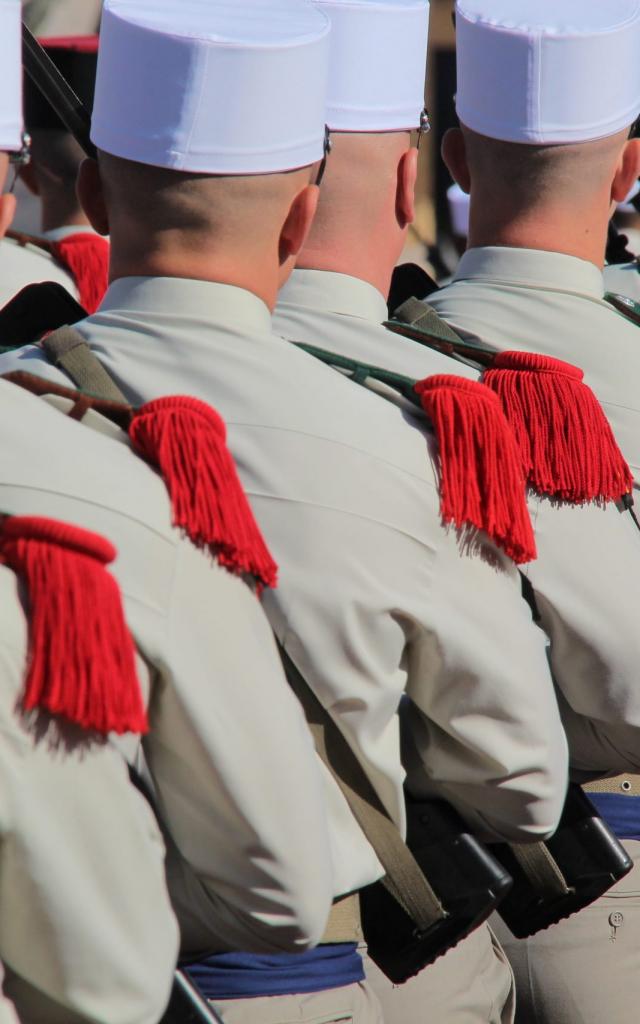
[(23, 239), (403, 877), (67, 349)]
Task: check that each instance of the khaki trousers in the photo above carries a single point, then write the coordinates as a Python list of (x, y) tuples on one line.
[(471, 984), (349, 1004), (585, 970)]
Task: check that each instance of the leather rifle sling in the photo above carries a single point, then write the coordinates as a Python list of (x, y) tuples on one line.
[(403, 877)]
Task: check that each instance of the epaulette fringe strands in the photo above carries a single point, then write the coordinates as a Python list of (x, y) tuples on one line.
[(567, 445), (186, 440), (482, 480), (81, 660)]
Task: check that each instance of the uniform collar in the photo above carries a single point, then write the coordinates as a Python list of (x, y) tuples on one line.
[(531, 267), (323, 290), (216, 304)]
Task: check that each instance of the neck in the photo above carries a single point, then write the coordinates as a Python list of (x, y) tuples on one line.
[(60, 212), (363, 258), (581, 233), (199, 261)]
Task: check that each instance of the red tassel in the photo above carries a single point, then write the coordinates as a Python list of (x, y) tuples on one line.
[(186, 440), (86, 257), (482, 482), (81, 655), (568, 447)]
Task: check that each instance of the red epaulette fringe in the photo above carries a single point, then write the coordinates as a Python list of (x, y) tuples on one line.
[(186, 440), (86, 256), (81, 661), (567, 445), (482, 480)]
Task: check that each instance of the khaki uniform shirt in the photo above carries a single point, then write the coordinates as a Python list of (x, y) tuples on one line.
[(85, 919), (552, 303), (623, 279), (588, 564), (228, 750), (21, 265), (375, 599)]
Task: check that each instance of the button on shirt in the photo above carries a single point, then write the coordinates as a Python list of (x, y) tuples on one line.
[(553, 303), (374, 597)]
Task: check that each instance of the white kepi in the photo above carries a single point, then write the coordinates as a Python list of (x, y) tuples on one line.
[(377, 65), (212, 86), (548, 71), (10, 76)]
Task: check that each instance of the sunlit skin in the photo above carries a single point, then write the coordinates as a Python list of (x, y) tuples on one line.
[(51, 175), (554, 198), (243, 230), (366, 206)]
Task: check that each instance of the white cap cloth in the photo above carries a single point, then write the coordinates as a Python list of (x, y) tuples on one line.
[(627, 206), (212, 86), (548, 72), (377, 65), (10, 75), (459, 210)]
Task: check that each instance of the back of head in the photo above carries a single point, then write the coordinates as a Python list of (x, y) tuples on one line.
[(201, 136), (55, 155), (375, 98), (545, 121)]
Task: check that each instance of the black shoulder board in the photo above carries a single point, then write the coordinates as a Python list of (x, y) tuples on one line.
[(409, 279), (34, 311)]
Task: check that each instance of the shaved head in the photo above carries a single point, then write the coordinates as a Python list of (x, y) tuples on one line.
[(220, 209), (525, 175), (237, 229), (552, 198), (365, 207)]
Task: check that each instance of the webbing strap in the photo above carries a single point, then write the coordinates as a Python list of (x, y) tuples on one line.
[(424, 318), (403, 877), (67, 349), (422, 323), (541, 869)]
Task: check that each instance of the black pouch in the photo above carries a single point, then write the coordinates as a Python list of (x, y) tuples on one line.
[(36, 309), (583, 860), (466, 878)]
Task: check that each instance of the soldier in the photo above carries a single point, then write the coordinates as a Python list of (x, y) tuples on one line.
[(543, 178), (71, 824), (24, 258), (545, 156), (336, 298), (67, 249), (207, 205)]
